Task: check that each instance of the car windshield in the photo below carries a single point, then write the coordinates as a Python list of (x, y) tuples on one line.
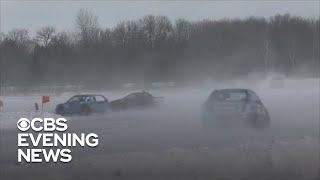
[(74, 99), (231, 96), (131, 96), (79, 99), (147, 94)]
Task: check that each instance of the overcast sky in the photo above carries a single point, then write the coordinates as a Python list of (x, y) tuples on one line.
[(33, 15)]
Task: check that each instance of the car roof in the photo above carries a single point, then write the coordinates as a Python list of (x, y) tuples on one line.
[(86, 95), (140, 92), (233, 90)]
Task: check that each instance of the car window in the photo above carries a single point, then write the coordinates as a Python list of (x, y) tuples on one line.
[(147, 95), (74, 99), (90, 99), (131, 96), (231, 96), (100, 98)]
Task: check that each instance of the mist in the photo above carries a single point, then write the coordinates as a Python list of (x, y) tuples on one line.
[(169, 141), (157, 49)]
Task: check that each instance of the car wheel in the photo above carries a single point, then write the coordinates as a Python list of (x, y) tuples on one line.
[(86, 111)]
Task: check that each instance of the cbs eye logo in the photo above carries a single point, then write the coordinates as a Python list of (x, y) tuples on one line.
[(42, 124), (23, 124)]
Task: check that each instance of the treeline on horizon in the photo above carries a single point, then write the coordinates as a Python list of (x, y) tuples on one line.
[(156, 49)]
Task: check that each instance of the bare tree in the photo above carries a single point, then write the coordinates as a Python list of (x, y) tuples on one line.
[(149, 28), (152, 49), (2, 36), (182, 30), (87, 24), (163, 30), (20, 36), (120, 34), (45, 35)]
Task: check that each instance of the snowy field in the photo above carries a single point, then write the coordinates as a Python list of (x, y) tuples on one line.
[(168, 142)]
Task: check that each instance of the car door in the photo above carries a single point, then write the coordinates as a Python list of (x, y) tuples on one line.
[(130, 101), (101, 103), (90, 101), (139, 100), (147, 99), (74, 104)]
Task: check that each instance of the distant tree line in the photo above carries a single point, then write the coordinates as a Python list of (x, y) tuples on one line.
[(154, 48)]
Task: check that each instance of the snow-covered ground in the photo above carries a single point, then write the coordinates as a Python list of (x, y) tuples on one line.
[(168, 142)]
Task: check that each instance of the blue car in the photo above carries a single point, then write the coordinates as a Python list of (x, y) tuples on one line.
[(83, 105)]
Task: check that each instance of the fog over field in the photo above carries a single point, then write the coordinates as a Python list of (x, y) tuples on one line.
[(168, 142), (179, 52)]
